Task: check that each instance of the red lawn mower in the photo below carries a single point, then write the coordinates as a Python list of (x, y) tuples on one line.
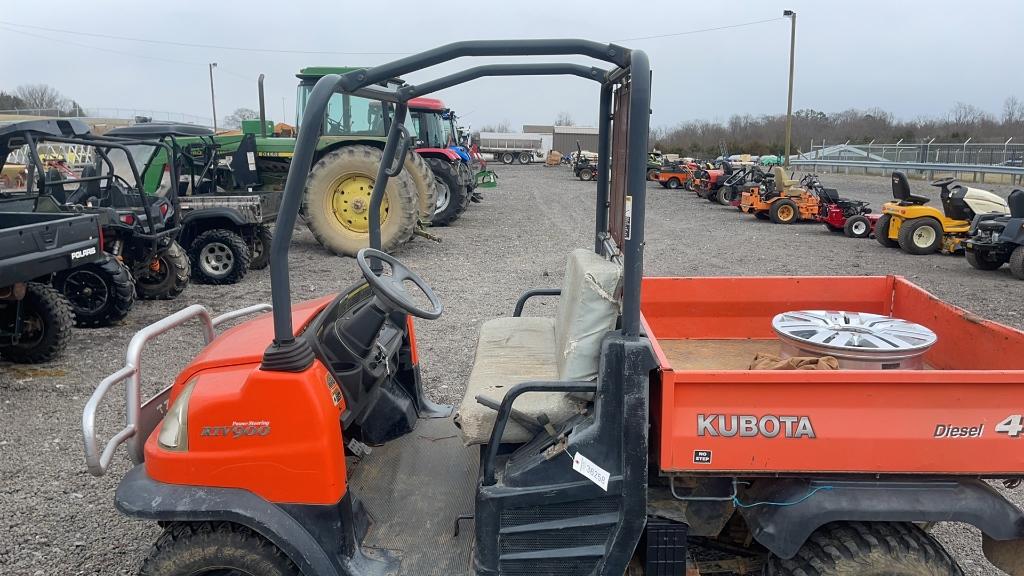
[(851, 217)]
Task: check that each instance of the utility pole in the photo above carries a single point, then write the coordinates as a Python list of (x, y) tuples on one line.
[(284, 115), (213, 99), (789, 106)]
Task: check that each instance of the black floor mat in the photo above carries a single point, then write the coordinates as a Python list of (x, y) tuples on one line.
[(413, 489)]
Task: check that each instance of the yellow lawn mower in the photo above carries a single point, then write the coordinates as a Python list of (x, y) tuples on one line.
[(917, 228)]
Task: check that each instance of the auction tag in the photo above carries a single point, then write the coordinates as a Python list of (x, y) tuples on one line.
[(627, 220), (252, 160), (593, 472)]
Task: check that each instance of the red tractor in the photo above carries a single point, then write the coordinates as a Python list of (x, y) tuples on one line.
[(646, 425), (437, 141)]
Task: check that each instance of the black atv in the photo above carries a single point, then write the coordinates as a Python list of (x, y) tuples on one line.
[(226, 234), (996, 240), (138, 231)]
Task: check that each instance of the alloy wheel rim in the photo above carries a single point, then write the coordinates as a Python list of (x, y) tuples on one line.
[(216, 259), (86, 290)]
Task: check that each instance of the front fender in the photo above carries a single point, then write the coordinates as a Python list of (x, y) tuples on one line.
[(442, 153), (320, 540), (793, 509)]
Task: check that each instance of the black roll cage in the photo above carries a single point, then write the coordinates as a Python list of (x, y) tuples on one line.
[(102, 145), (287, 353)]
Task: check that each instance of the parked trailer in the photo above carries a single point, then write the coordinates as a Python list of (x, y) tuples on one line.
[(512, 147)]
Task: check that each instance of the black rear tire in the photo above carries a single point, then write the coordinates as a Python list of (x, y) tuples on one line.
[(508, 158), (524, 158), (207, 548), (169, 279), (1017, 263), (46, 325), (219, 256), (674, 183), (588, 174), (100, 293), (980, 262), (451, 202), (920, 236), (784, 211), (882, 232), (259, 247), (858, 226), (867, 548)]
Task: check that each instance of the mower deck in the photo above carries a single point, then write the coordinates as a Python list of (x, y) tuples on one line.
[(413, 489)]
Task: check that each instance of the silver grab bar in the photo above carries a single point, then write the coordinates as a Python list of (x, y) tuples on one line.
[(98, 461)]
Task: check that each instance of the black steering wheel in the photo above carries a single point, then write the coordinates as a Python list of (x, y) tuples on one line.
[(943, 182), (391, 289)]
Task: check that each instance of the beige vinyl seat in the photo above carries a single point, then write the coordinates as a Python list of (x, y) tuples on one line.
[(521, 349), (784, 185)]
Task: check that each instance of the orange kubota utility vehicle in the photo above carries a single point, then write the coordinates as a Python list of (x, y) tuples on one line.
[(787, 202), (626, 433)]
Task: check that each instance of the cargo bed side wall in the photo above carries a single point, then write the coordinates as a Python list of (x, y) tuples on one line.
[(966, 341)]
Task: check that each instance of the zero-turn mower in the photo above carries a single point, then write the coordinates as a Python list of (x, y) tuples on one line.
[(788, 202), (998, 240), (917, 228), (627, 433), (732, 187)]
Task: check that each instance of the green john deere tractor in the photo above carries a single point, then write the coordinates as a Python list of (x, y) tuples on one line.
[(336, 205)]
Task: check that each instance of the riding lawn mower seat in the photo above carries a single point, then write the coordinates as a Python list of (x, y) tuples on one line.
[(1016, 202), (781, 182), (901, 191), (521, 349)]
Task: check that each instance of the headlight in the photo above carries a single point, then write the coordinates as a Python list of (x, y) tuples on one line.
[(174, 429)]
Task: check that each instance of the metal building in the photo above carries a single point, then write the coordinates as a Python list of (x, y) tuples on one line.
[(566, 137)]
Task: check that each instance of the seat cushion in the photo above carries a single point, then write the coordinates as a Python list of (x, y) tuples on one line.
[(587, 309), (510, 351)]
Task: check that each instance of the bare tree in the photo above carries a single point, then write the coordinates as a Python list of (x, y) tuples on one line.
[(1013, 111), (503, 126), (42, 97), (564, 119), (963, 114), (234, 120)]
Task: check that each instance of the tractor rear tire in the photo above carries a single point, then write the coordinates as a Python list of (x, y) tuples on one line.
[(784, 211), (674, 183), (219, 256), (452, 197), (259, 247), (47, 319), (340, 223), (1017, 263), (920, 236), (979, 262), (857, 227), (858, 548), (882, 232), (426, 190), (186, 549), (100, 293), (171, 279)]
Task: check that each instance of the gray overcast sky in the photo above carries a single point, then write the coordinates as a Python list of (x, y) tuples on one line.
[(910, 58)]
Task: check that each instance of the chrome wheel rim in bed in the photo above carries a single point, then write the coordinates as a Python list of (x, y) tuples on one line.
[(857, 339)]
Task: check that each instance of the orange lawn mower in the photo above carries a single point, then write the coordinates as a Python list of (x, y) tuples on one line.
[(789, 202), (678, 175)]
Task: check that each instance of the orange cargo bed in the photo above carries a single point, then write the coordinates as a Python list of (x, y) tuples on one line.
[(962, 414)]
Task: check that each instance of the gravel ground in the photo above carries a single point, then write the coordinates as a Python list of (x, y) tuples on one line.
[(57, 519)]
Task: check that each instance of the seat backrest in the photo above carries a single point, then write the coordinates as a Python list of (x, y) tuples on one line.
[(1016, 202), (587, 309), (780, 178)]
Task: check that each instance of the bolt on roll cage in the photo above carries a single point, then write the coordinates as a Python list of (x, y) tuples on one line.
[(287, 353)]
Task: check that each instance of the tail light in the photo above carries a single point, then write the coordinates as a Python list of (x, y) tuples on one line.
[(101, 238), (164, 208), (128, 219)]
